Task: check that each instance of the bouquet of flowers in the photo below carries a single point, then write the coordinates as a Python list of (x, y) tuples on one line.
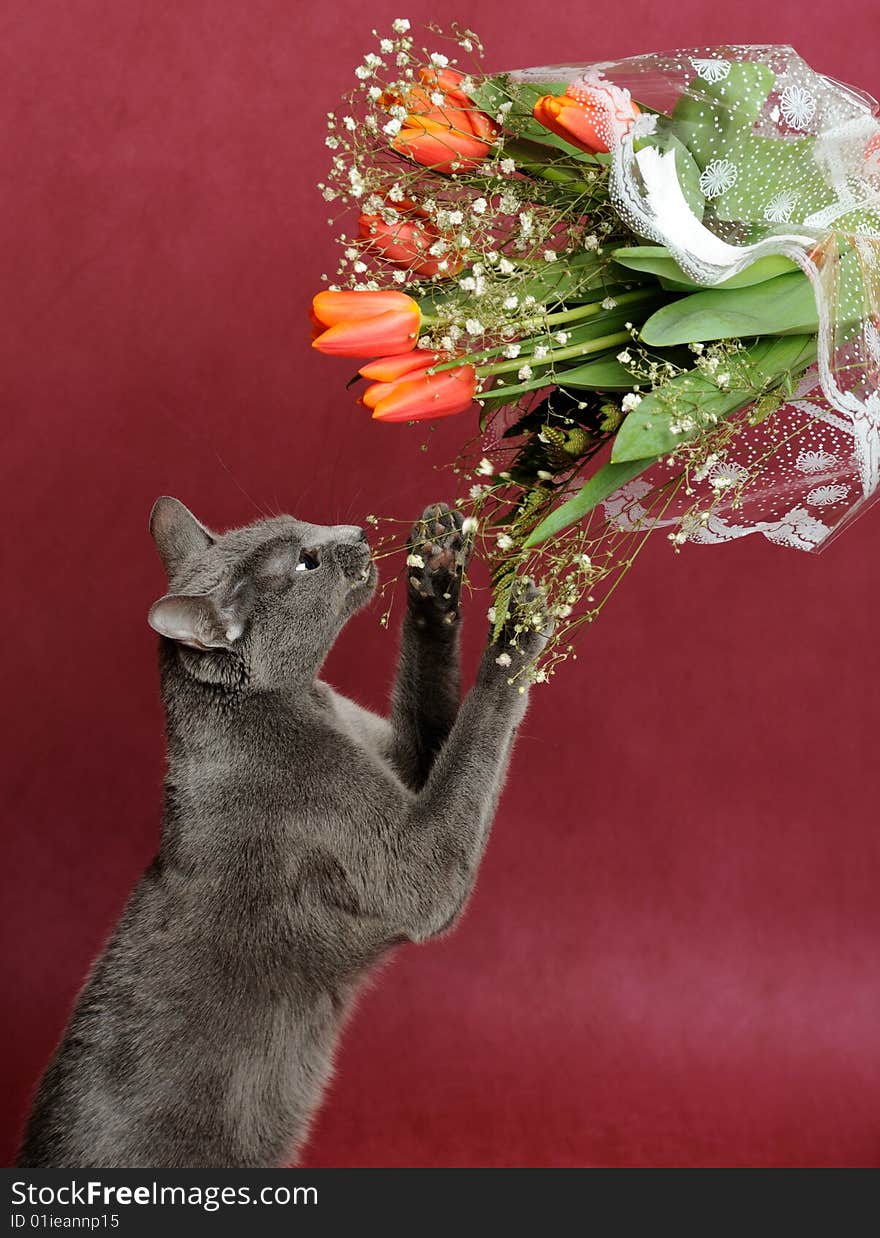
[(655, 282)]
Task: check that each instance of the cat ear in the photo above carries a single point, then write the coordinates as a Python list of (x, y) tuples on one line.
[(202, 621), (176, 532)]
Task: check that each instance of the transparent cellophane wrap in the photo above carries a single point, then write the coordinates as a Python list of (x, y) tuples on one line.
[(787, 163)]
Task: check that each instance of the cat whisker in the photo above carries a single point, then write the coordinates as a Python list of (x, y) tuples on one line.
[(253, 502)]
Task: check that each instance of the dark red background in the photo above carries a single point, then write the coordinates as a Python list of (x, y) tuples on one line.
[(671, 957)]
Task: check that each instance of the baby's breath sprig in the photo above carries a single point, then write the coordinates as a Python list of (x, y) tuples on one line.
[(523, 291)]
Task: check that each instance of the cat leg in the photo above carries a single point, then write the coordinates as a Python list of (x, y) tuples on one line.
[(448, 822), (427, 691)]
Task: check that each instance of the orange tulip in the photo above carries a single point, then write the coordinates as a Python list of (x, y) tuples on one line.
[(448, 81), (440, 146), (454, 109), (418, 102), (394, 374), (450, 136), (358, 324), (377, 392), (416, 394), (483, 126), (389, 369), (592, 114), (408, 244)]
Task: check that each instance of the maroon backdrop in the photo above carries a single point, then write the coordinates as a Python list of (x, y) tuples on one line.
[(671, 955)]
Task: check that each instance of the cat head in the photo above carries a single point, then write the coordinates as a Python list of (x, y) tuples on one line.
[(270, 597)]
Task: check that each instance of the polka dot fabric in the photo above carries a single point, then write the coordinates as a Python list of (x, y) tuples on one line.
[(742, 152)]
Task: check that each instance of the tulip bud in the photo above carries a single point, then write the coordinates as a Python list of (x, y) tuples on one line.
[(450, 136), (592, 114), (439, 146), (417, 394), (389, 369), (448, 81), (408, 244), (363, 323)]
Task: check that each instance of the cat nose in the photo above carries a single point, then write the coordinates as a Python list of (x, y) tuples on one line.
[(353, 556)]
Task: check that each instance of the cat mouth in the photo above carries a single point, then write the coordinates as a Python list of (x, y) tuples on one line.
[(367, 576)]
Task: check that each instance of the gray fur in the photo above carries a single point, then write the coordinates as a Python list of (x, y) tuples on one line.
[(303, 837)]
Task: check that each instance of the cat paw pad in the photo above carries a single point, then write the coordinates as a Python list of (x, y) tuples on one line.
[(438, 552)]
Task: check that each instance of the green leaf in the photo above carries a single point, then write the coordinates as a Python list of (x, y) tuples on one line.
[(567, 281), (603, 483), (604, 374), (503, 583), (607, 321), (545, 374), (784, 304), (781, 164), (646, 430), (675, 285), (657, 260), (709, 112), (489, 93), (852, 292), (536, 149), (575, 279), (742, 93)]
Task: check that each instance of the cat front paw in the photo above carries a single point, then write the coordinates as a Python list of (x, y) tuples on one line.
[(527, 629), (438, 552)]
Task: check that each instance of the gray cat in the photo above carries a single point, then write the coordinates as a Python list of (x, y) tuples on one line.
[(303, 837)]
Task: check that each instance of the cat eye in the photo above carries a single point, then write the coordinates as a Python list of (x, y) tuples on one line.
[(307, 562)]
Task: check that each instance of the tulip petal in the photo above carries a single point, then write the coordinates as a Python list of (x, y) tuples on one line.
[(482, 125), (448, 81), (408, 244), (404, 242), (575, 129), (389, 369), (440, 148), (456, 123), (349, 305), (429, 396), (419, 104), (458, 107), (393, 332), (377, 392), (592, 115)]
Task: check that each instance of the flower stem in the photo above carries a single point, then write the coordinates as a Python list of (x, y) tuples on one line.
[(549, 320), (558, 354), (586, 311), (557, 177)]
